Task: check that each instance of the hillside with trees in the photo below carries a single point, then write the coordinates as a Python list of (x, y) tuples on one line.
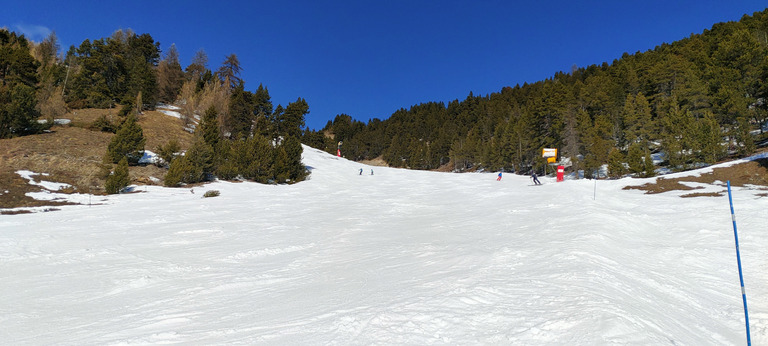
[(238, 134), (692, 102), (698, 101)]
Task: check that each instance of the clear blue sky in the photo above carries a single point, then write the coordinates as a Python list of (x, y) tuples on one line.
[(370, 58)]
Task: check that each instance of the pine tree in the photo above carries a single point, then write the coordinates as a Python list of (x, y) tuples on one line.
[(209, 127), (635, 158), (241, 115), (119, 179), (229, 72), (292, 120), (417, 155), (637, 119), (18, 79), (197, 69), (167, 152), (600, 145), (177, 172), (259, 165), (571, 137), (294, 166), (195, 166), (170, 77), (616, 163), (226, 159), (128, 142), (711, 137), (142, 55), (746, 144), (262, 111), (202, 160), (648, 166), (280, 168)]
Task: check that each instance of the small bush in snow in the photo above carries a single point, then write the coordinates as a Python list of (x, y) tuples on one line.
[(211, 193)]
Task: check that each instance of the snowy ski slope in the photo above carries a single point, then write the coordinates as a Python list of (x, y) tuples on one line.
[(398, 257)]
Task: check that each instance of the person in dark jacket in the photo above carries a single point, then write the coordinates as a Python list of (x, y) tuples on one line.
[(535, 179)]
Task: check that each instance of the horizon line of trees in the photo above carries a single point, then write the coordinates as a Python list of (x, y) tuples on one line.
[(696, 100)]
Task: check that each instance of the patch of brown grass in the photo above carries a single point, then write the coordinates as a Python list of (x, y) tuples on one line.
[(661, 185), (15, 212), (13, 189), (159, 129), (72, 154), (379, 162), (703, 194), (748, 173), (84, 117)]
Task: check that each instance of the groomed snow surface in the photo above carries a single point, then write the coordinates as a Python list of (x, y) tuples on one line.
[(398, 257)]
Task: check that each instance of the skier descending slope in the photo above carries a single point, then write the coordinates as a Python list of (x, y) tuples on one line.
[(535, 178)]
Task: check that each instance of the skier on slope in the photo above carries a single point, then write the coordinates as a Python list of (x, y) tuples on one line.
[(499, 178), (535, 179), (361, 171)]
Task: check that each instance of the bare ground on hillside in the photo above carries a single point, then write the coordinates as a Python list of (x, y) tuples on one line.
[(72, 154), (748, 173), (379, 162)]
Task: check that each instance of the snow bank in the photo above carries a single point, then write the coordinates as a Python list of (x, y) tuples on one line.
[(149, 157), (172, 113), (29, 175)]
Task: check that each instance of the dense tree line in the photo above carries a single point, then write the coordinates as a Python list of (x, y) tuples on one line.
[(115, 70), (696, 100), (18, 83), (240, 134)]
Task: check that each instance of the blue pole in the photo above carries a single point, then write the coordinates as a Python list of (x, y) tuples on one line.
[(738, 260)]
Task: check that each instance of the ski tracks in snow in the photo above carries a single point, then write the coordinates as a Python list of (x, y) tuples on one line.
[(401, 257)]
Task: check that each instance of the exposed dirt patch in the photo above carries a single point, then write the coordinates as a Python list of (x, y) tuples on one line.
[(379, 161), (748, 173), (13, 189), (160, 128), (705, 194), (661, 185), (72, 154)]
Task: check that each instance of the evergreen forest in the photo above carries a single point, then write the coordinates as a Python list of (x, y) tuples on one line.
[(698, 101), (238, 133)]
